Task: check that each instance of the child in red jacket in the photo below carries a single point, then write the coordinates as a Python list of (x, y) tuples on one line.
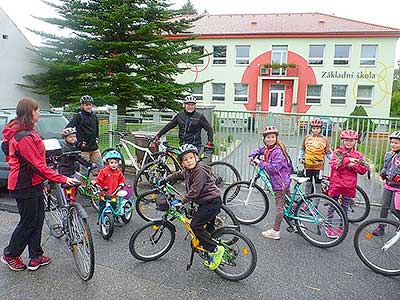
[(110, 178), (346, 163)]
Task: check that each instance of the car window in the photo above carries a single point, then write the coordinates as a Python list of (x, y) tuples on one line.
[(3, 121), (50, 126)]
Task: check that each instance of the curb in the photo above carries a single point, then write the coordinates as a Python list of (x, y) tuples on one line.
[(12, 208)]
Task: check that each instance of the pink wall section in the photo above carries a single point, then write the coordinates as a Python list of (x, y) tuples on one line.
[(305, 73)]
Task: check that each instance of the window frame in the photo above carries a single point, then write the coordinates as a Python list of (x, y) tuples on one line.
[(315, 57), (314, 97), (365, 98), (339, 98), (201, 60), (238, 98), (198, 96), (244, 58), (214, 58), (347, 59), (215, 96), (368, 58)]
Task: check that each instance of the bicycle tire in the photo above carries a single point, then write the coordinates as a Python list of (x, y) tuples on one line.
[(107, 226), (232, 240), (156, 232), (123, 165), (364, 236), (143, 182), (126, 217), (363, 202), (79, 227), (303, 210), (52, 215), (224, 174), (237, 205)]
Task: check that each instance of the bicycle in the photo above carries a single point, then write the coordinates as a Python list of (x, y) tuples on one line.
[(379, 253), (124, 207), (306, 214), (146, 207), (159, 236), (88, 189), (123, 143), (167, 161), (64, 218)]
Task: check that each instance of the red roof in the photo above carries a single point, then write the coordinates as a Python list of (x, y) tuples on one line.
[(285, 24)]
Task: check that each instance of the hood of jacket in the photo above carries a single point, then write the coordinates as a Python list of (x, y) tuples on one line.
[(11, 129)]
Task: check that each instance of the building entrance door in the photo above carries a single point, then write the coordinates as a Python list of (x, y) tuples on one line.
[(277, 98)]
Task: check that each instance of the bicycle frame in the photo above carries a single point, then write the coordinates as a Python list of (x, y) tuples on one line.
[(109, 209), (147, 153)]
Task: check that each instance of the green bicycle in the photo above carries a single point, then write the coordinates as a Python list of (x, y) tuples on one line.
[(154, 239), (318, 218)]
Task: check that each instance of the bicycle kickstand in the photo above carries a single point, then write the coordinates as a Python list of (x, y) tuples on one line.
[(190, 261)]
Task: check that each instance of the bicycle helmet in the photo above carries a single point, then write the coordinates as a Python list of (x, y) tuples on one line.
[(86, 100), (68, 131), (270, 129), (113, 154), (349, 134), (186, 148), (189, 99), (395, 135), (316, 123)]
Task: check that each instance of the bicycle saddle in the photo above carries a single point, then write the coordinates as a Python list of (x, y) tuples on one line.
[(299, 179)]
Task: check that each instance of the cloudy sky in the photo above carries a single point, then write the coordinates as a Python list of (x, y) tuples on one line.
[(382, 12)]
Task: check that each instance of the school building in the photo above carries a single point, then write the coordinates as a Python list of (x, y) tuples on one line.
[(293, 62)]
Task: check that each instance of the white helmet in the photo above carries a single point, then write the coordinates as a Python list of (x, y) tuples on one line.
[(68, 131), (189, 99), (395, 135), (186, 148)]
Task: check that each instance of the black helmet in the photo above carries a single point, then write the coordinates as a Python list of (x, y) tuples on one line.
[(86, 99)]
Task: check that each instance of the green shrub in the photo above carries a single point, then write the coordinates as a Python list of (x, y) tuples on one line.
[(362, 126)]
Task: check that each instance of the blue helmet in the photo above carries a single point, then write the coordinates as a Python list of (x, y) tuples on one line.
[(113, 154)]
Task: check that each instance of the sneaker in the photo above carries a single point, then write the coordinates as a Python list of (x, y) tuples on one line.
[(14, 263), (379, 230), (330, 233), (215, 258), (271, 234), (36, 263)]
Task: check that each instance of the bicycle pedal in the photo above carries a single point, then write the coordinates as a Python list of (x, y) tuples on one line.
[(290, 229)]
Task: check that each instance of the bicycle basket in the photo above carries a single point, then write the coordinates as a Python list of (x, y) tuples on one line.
[(162, 202)]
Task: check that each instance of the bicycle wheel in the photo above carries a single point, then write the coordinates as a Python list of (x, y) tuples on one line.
[(168, 160), (94, 199), (122, 163), (107, 226), (127, 212), (147, 177), (249, 204), (152, 240), (81, 244), (52, 215), (240, 257), (146, 206), (224, 174), (359, 207), (379, 253), (321, 220)]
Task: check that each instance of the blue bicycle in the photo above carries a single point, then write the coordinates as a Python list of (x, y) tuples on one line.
[(318, 218)]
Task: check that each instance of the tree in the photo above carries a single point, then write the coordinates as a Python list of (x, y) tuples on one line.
[(188, 9), (395, 103), (362, 126), (118, 52)]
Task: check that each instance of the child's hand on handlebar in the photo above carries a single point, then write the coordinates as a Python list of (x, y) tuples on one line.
[(72, 181)]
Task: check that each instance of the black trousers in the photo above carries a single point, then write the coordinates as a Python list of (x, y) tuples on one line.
[(205, 215), (29, 229)]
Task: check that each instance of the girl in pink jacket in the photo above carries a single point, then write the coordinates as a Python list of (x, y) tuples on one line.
[(346, 163)]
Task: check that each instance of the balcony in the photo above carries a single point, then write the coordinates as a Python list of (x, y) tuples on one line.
[(279, 70)]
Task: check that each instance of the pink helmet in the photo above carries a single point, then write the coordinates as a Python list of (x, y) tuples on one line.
[(349, 134), (316, 123), (270, 129)]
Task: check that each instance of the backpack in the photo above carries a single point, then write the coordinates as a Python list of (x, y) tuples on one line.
[(18, 136)]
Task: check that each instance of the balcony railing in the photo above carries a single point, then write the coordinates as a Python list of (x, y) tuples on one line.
[(279, 72)]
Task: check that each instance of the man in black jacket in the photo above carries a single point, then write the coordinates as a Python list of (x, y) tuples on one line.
[(190, 124), (87, 131)]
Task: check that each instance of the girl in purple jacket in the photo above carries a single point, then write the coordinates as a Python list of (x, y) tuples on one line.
[(274, 159)]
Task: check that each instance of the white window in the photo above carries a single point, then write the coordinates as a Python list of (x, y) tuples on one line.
[(339, 94), (368, 55), (279, 57), (219, 55), (316, 54), (342, 55), (218, 92), (241, 92), (242, 55), (197, 92), (200, 51), (314, 92), (364, 94)]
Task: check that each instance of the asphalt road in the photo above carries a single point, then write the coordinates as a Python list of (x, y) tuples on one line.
[(290, 268)]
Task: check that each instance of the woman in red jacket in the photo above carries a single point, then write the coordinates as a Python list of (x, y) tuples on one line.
[(27, 160)]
